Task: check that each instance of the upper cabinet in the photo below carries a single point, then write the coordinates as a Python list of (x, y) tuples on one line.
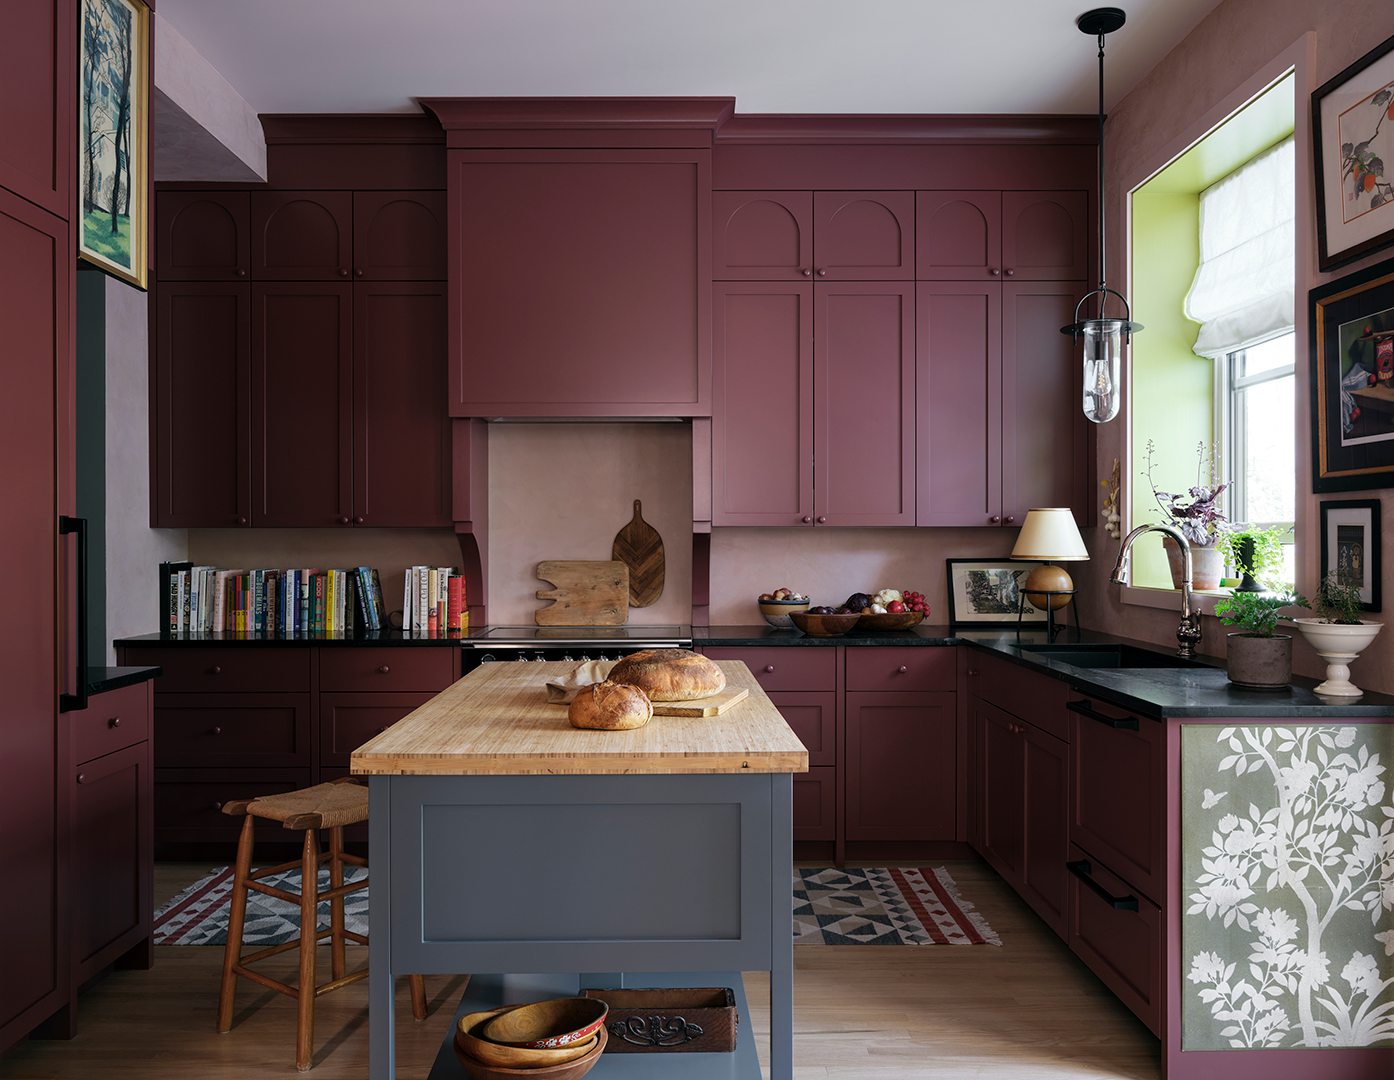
[(203, 235), (580, 282), (820, 236), (38, 80), (995, 235)]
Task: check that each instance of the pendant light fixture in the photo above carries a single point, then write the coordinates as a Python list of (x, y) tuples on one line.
[(1103, 337)]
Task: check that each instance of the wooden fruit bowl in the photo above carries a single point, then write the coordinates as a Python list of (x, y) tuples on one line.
[(569, 1070), (825, 625), (512, 1057), (901, 620), (546, 1025)]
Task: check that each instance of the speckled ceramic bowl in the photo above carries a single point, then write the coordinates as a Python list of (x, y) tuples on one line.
[(777, 612)]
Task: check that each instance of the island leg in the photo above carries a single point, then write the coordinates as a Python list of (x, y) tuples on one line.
[(781, 928), (382, 1057)]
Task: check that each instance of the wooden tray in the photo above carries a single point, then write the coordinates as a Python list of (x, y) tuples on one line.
[(670, 1021), (714, 705)]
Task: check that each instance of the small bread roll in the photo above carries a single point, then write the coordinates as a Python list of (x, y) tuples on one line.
[(609, 706), (670, 674)]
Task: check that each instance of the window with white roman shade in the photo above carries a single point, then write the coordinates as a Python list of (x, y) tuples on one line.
[(1243, 291)]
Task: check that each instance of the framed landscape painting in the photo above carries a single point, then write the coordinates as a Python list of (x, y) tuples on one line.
[(987, 593), (113, 137)]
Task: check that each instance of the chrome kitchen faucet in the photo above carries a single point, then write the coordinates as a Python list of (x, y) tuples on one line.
[(1188, 633)]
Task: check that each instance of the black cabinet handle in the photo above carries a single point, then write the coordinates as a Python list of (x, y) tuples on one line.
[(1082, 870), (1085, 709), (77, 702)]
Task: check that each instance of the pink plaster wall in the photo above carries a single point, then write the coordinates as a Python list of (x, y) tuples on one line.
[(1172, 106)]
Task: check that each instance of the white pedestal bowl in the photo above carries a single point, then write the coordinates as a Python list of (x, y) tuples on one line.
[(1338, 644)]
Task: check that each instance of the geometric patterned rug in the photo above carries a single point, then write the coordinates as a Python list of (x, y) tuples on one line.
[(880, 906), (199, 915)]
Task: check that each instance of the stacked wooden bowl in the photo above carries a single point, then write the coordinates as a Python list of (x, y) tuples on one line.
[(560, 1039)]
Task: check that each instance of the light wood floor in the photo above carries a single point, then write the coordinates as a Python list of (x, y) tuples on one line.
[(1027, 1011)]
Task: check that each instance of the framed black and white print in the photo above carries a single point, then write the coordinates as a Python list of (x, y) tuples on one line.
[(987, 593), (1350, 546)]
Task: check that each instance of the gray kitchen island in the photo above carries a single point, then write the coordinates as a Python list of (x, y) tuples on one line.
[(512, 843)]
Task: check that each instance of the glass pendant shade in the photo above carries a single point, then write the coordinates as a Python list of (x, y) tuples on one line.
[(1103, 345)]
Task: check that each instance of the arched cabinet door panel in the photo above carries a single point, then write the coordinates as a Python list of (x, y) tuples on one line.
[(399, 235), (203, 235), (864, 235), (302, 235), (762, 235), (1045, 235), (958, 235)]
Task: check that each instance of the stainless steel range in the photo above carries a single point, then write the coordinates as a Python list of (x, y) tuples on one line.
[(578, 643)]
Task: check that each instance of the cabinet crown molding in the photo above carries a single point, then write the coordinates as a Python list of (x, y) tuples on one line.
[(766, 128), (375, 128)]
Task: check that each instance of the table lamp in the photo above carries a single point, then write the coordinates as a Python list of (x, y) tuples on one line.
[(1050, 534)]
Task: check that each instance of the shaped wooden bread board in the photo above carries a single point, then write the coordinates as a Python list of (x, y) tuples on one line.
[(707, 706), (640, 548), (586, 593)]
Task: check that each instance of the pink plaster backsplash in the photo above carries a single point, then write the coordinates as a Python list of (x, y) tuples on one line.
[(828, 565)]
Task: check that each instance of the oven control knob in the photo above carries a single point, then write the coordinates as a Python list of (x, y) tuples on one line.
[(567, 658), (487, 658), (585, 658)]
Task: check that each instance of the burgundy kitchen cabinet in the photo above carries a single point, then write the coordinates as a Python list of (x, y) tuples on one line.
[(777, 396), (399, 236), (1002, 235), (38, 60), (203, 236), (823, 235), (901, 766), (998, 390), (201, 424), (36, 439), (302, 404), (302, 235), (236, 721), (580, 282), (762, 404)]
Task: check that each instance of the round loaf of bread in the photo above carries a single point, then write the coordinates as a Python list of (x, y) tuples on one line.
[(610, 706), (670, 674)]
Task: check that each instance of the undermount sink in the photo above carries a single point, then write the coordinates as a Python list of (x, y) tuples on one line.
[(1087, 655)]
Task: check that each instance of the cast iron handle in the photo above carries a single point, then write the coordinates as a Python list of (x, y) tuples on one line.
[(1084, 709), (77, 702), (1082, 870)]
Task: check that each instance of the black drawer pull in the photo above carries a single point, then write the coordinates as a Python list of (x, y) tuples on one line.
[(1082, 870), (1085, 709)]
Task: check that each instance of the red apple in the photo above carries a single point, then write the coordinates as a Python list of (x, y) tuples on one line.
[(895, 607)]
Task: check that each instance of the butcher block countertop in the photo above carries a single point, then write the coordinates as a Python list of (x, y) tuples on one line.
[(496, 721)]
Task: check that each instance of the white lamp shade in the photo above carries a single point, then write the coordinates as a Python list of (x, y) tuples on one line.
[(1050, 533)]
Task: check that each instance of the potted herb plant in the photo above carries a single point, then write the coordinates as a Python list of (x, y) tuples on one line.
[(1251, 552), (1197, 515), (1257, 657), (1338, 633)]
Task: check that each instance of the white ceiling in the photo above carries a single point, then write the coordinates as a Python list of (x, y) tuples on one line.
[(774, 56)]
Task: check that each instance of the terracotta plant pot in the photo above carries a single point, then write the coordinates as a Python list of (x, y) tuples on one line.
[(1207, 565), (1339, 644), (1259, 663)]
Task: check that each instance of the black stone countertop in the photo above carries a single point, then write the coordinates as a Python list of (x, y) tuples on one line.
[(101, 679), (1157, 692), (194, 639)]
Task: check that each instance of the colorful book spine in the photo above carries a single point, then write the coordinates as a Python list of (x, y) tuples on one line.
[(321, 588), (379, 607), (432, 612), (455, 602), (423, 600)]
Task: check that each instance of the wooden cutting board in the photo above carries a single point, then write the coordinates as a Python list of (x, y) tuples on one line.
[(586, 594), (640, 548), (714, 705)]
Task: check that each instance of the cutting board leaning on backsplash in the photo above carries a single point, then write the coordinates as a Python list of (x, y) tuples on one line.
[(586, 593), (640, 548)]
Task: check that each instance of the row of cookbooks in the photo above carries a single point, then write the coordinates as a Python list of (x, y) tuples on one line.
[(308, 601)]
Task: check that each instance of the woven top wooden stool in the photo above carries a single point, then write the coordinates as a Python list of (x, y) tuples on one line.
[(325, 806)]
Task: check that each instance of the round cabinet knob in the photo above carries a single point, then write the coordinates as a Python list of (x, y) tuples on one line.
[(384, 669), (115, 722), (972, 674), (217, 806), (822, 521), (241, 521), (343, 521), (995, 272), (994, 519), (241, 272), (902, 669), (1011, 273), (217, 731), (358, 521), (80, 778), (381, 730), (215, 670), (822, 273), (359, 273), (343, 272), (808, 521), (769, 667), (806, 272), (1010, 519)]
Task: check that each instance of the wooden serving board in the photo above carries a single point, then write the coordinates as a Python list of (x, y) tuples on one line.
[(586, 594), (640, 548), (714, 705)]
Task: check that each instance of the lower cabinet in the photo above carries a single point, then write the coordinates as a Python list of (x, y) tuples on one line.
[(881, 727), (235, 722)]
